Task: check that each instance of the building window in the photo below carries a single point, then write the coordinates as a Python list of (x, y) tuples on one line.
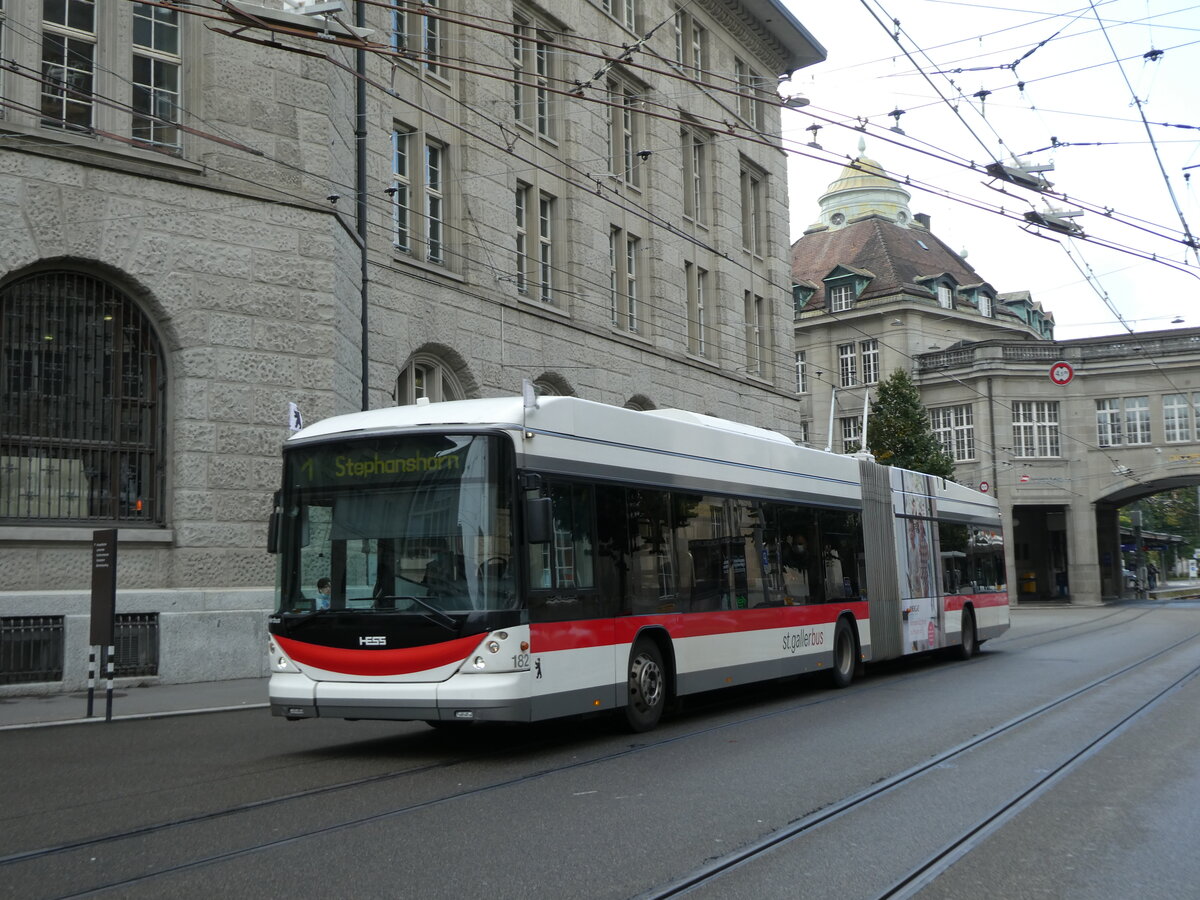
[(695, 153), (1137, 420), (753, 194), (68, 63), (1177, 418), (533, 62), (1108, 422), (691, 44), (426, 376), (624, 11), (546, 248), (841, 297), (870, 361), (81, 403), (851, 434), (624, 131), (419, 36), (847, 365), (1035, 428), (749, 83), (156, 65), (801, 371), (697, 288), (985, 305), (521, 203), (954, 428), (757, 334), (419, 176), (623, 279), (945, 296)]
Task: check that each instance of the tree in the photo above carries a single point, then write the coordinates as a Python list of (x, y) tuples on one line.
[(898, 432)]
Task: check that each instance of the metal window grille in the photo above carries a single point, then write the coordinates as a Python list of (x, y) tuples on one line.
[(31, 649), (136, 640), (81, 403)]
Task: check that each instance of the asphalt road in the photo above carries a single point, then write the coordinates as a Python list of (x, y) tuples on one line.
[(1059, 763)]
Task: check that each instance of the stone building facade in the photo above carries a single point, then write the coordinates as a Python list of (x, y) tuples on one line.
[(1062, 433), (210, 213)]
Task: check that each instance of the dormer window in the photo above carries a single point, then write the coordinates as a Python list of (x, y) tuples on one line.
[(985, 305), (841, 297), (945, 296)]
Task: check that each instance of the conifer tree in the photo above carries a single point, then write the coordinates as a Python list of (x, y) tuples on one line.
[(899, 433)]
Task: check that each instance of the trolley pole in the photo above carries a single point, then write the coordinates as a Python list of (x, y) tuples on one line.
[(104, 610)]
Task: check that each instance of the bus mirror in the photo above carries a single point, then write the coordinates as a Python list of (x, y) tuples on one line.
[(273, 526), (539, 520)]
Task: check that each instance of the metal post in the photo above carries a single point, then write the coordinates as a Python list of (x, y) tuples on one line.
[(91, 679), (109, 663)]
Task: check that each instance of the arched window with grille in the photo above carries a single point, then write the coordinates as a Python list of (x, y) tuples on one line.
[(427, 376), (81, 403)]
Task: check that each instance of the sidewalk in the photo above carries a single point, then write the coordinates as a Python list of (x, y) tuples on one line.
[(147, 702)]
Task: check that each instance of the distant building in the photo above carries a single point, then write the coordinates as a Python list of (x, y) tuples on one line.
[(197, 230), (1062, 447)]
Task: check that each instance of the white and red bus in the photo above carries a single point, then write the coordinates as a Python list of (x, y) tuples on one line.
[(510, 560)]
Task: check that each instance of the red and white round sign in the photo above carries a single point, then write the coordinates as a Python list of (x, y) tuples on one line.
[(983, 486), (1061, 373)]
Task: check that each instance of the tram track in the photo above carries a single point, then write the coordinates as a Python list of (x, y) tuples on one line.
[(749, 852), (933, 865)]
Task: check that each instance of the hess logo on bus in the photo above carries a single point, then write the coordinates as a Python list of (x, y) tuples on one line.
[(373, 640)]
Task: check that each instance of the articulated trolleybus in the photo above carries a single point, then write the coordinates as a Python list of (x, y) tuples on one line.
[(506, 560)]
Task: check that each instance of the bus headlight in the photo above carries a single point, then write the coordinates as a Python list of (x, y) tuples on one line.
[(479, 663), (493, 646)]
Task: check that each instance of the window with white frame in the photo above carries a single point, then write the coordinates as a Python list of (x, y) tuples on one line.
[(954, 428), (802, 434), (624, 11), (418, 191), (870, 361), (985, 305), (1035, 428), (1177, 418), (753, 194), (847, 365), (841, 297), (691, 43), (801, 371), (757, 334), (426, 376), (1108, 422), (69, 43), (1137, 420), (624, 131), (749, 84), (851, 427), (945, 296), (533, 62), (417, 34), (156, 67), (697, 288), (521, 208), (623, 249), (545, 248), (694, 147)]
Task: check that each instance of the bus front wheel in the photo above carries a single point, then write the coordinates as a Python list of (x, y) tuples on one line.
[(843, 655), (647, 687), (970, 641)]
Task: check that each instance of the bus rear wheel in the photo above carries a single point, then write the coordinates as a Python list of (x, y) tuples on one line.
[(647, 687), (843, 656), (970, 640)]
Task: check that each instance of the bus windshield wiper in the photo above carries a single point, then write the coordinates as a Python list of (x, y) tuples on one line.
[(437, 615)]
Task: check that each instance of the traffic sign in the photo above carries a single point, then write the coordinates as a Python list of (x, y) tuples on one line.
[(1061, 373), (983, 486)]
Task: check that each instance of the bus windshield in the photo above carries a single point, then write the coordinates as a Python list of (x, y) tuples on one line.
[(419, 522)]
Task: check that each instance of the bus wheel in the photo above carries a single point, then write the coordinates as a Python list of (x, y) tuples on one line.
[(647, 687), (969, 639), (843, 656)]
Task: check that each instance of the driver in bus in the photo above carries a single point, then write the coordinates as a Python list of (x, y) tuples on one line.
[(324, 593)]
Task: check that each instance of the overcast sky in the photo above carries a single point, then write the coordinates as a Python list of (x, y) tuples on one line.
[(1072, 92)]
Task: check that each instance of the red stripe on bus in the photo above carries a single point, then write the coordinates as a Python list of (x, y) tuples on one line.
[(545, 637), (957, 601), (379, 662)]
